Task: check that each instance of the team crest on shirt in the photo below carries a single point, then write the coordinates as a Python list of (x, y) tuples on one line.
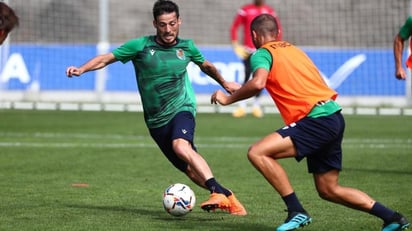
[(180, 54)]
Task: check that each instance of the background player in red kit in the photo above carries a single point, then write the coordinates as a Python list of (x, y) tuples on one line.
[(244, 49)]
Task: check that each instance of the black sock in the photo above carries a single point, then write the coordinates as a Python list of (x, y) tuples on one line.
[(382, 212), (215, 187), (292, 203)]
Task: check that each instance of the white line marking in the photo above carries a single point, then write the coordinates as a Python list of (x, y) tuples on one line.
[(88, 140), (202, 145)]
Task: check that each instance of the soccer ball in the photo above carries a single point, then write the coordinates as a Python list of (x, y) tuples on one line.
[(178, 199)]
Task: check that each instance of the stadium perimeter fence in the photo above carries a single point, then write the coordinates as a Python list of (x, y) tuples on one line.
[(350, 41)]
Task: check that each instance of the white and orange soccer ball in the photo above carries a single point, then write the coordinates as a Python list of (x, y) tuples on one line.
[(178, 199)]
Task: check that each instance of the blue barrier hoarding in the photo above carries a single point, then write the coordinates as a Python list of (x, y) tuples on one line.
[(352, 72)]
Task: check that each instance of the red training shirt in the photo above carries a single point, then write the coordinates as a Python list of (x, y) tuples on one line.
[(244, 18)]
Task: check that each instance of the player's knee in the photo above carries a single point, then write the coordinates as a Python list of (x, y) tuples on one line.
[(326, 193), (179, 146), (252, 154)]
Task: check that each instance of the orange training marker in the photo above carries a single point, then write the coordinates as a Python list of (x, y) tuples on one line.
[(80, 185)]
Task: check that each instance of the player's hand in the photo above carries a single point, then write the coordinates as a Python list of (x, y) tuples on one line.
[(73, 71), (400, 73), (219, 97), (231, 87), (240, 50)]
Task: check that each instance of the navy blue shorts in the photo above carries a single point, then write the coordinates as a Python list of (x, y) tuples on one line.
[(319, 140), (181, 126)]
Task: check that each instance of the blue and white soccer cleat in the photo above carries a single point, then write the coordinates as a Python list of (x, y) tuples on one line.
[(399, 223), (294, 221)]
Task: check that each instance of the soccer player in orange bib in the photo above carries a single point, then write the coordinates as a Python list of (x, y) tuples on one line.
[(314, 130)]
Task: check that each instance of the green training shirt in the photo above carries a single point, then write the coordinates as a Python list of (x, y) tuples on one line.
[(406, 29), (161, 76)]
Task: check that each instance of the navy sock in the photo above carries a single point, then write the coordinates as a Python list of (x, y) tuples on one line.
[(292, 203), (382, 212), (215, 187)]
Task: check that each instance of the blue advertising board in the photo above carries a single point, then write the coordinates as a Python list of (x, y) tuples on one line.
[(351, 72)]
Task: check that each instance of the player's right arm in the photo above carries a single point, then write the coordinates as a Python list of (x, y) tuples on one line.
[(261, 61), (239, 49), (237, 22), (95, 63)]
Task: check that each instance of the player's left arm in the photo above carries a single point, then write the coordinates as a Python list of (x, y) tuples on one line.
[(210, 69)]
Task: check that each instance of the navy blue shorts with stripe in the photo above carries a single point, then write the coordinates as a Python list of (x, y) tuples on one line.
[(319, 140), (181, 126)]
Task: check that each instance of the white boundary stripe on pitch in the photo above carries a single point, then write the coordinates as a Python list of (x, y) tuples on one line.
[(198, 138), (146, 141), (406, 145), (115, 137)]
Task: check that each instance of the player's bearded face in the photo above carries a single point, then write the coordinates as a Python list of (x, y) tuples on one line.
[(167, 28)]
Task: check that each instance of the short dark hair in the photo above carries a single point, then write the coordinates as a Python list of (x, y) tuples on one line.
[(8, 19), (265, 23), (164, 6)]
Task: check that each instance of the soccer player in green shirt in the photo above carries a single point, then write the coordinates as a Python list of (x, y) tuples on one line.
[(404, 33), (169, 103)]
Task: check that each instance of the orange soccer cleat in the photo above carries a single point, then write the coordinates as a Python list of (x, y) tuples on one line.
[(236, 208), (216, 200)]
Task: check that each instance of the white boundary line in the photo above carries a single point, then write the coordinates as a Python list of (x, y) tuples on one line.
[(202, 145), (130, 101), (87, 140)]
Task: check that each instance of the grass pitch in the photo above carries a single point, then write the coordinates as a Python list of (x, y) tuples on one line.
[(44, 152)]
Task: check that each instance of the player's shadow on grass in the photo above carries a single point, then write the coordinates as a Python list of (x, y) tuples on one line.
[(111, 208), (207, 221), (154, 213)]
